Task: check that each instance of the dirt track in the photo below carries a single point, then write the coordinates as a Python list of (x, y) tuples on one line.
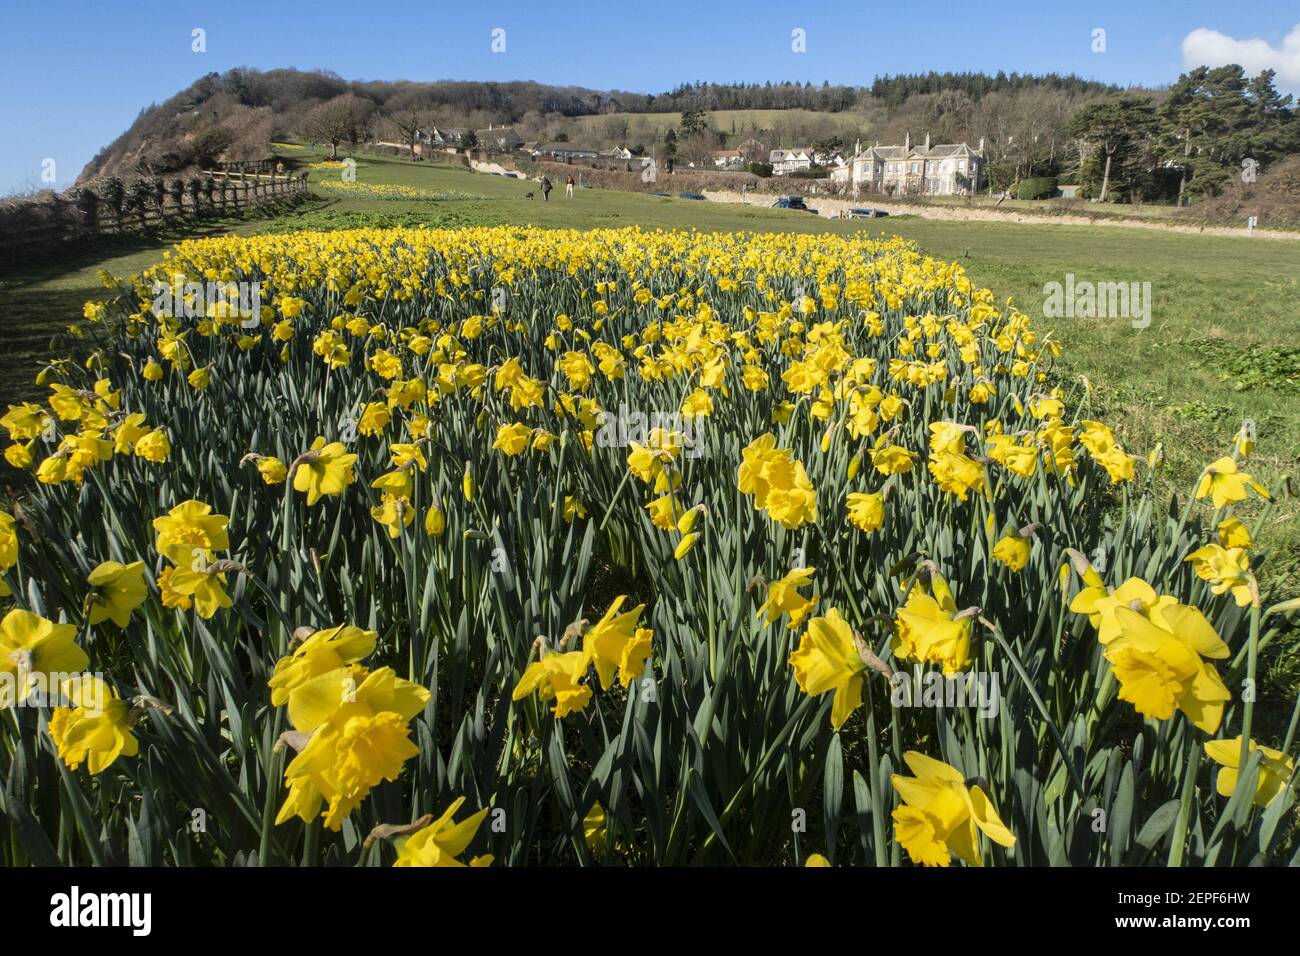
[(831, 208)]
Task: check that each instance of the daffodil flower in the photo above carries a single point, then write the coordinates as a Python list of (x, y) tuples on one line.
[(941, 815), (827, 661)]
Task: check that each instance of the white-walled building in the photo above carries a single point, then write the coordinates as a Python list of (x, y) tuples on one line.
[(787, 161), (949, 169)]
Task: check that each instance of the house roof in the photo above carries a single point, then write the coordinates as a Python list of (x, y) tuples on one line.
[(942, 151)]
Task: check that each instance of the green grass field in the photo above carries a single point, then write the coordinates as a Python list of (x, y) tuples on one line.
[(1219, 349)]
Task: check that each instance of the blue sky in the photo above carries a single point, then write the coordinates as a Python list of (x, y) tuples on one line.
[(75, 73)]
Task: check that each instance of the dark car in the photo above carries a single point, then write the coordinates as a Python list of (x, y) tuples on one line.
[(665, 195), (867, 214), (691, 195), (792, 202)]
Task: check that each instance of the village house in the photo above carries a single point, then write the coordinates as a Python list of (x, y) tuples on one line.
[(787, 161), (501, 138), (616, 153), (798, 158), (728, 159), (948, 169), (446, 137)]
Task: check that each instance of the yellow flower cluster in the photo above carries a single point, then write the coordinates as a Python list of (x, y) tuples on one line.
[(350, 723), (389, 191), (615, 646)]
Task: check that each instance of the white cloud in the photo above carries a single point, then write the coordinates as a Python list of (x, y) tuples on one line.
[(1204, 47)]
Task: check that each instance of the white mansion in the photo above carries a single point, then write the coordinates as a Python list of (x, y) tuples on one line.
[(952, 169)]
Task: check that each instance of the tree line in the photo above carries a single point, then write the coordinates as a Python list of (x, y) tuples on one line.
[(895, 90)]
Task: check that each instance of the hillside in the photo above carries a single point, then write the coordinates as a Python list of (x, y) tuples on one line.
[(236, 115)]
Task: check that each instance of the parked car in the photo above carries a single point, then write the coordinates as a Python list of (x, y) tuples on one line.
[(866, 214), (665, 195), (691, 195), (792, 202)]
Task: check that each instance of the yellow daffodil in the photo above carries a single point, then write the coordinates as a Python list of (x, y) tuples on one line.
[(1158, 663), (326, 469), (557, 677), (1013, 551), (439, 843), (827, 660), (323, 651), (783, 597), (115, 591), (866, 511), (1225, 484), (615, 642), (359, 736), (929, 628), (941, 815), (188, 528), (96, 729), (1275, 769), (35, 651)]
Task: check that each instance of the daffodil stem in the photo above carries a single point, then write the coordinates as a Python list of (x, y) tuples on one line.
[(1252, 661), (1042, 709), (311, 840), (1178, 845), (873, 762), (272, 788)]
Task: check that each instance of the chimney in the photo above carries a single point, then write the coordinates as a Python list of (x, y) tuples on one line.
[(980, 150), (927, 141), (907, 142)]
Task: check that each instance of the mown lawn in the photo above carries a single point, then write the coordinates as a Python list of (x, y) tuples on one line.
[(1215, 353)]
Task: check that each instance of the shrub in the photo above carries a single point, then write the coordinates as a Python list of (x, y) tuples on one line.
[(1036, 187)]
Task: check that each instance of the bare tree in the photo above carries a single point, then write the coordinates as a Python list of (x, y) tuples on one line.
[(410, 113), (616, 128), (343, 119), (697, 149)]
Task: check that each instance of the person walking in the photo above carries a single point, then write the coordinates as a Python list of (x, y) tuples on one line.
[(546, 189), (568, 186)]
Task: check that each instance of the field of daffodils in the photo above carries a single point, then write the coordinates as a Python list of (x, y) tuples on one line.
[(510, 546)]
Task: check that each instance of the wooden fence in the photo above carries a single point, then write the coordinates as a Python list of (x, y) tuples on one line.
[(35, 226)]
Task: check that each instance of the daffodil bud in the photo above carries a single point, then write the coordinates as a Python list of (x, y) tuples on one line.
[(685, 545), (435, 521), (687, 521)]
